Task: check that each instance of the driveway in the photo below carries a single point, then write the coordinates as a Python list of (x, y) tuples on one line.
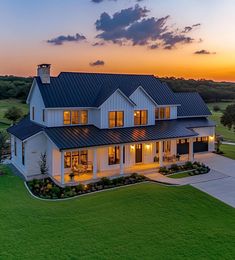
[(222, 188)]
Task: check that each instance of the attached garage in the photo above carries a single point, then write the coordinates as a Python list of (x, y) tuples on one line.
[(201, 145), (183, 146)]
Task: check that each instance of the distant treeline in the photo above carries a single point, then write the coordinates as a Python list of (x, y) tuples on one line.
[(210, 91), (18, 87), (14, 87)]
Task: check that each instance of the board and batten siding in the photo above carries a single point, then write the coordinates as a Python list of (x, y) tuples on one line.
[(17, 160), (143, 102), (36, 101), (117, 102)]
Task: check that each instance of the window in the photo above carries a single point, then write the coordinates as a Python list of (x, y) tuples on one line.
[(140, 117), (116, 119), (75, 158), (15, 147), (167, 146), (83, 117), (43, 115), (75, 119), (162, 113), (67, 119), (23, 150), (67, 160), (33, 112), (114, 155)]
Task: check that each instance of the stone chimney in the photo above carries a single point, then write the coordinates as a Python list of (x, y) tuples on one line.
[(44, 73)]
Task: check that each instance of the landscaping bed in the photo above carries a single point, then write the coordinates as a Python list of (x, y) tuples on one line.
[(47, 189), (187, 169)]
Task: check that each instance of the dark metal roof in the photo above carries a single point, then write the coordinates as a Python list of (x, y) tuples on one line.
[(191, 105), (68, 137), (25, 129), (88, 136), (92, 89)]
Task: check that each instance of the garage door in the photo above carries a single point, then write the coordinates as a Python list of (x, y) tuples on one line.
[(200, 145), (182, 146)]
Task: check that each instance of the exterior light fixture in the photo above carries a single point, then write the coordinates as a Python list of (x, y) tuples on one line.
[(132, 147), (147, 146)]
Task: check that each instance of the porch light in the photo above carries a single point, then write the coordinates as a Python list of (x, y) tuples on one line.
[(211, 137), (147, 146), (132, 147)]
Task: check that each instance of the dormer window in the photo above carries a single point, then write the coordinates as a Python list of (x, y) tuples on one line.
[(162, 113), (75, 117), (116, 119), (140, 117)]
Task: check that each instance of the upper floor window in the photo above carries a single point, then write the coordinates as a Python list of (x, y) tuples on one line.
[(116, 119), (43, 115), (75, 117), (23, 155), (140, 117), (162, 113), (33, 113)]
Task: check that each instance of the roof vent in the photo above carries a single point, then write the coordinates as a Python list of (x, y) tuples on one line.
[(44, 73)]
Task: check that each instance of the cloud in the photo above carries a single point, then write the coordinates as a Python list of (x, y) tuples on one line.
[(204, 52), (188, 29), (97, 63), (100, 1), (69, 38), (98, 44), (132, 26)]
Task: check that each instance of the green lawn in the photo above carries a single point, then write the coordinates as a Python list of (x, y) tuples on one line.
[(179, 175), (146, 221), (229, 150), (4, 105), (220, 129)]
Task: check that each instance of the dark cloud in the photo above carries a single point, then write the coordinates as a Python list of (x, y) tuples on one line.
[(204, 52), (69, 38), (98, 44), (100, 1), (132, 26), (188, 29), (97, 63)]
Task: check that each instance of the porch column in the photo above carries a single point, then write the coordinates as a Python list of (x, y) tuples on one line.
[(121, 159), (62, 167), (161, 153), (191, 155), (95, 163)]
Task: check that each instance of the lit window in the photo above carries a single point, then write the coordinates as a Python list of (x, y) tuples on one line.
[(157, 147), (67, 118), (167, 112), (75, 120), (67, 160), (116, 119), (83, 117), (167, 146), (162, 113), (75, 158), (140, 117)]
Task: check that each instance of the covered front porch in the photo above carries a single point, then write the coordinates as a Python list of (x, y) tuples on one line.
[(94, 163)]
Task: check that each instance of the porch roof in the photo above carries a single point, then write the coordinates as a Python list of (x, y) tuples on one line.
[(72, 137)]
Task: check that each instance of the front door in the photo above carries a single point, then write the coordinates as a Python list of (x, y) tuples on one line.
[(138, 153)]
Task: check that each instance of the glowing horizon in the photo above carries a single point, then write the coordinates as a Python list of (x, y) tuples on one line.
[(28, 25)]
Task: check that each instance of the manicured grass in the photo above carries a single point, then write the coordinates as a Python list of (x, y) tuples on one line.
[(146, 221), (179, 175), (4, 105), (229, 150), (220, 129)]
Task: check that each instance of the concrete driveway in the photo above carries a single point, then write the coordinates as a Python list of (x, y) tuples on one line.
[(223, 188)]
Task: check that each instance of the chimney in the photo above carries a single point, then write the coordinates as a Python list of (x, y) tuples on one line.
[(44, 73)]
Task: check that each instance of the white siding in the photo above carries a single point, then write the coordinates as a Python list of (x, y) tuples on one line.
[(173, 112), (37, 102), (17, 160), (207, 131), (143, 102), (117, 102)]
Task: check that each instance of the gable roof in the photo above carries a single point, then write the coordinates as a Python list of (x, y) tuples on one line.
[(191, 105), (92, 89)]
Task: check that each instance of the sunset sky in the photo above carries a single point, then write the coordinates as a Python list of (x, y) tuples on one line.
[(181, 38)]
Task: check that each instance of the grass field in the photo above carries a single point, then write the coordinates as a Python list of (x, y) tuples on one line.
[(4, 105), (229, 150), (146, 221), (228, 135)]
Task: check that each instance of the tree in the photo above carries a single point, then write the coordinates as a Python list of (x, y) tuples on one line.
[(228, 117), (13, 114), (216, 108), (3, 144), (43, 164)]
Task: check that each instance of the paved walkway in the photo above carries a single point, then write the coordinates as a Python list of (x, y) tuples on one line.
[(219, 182)]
